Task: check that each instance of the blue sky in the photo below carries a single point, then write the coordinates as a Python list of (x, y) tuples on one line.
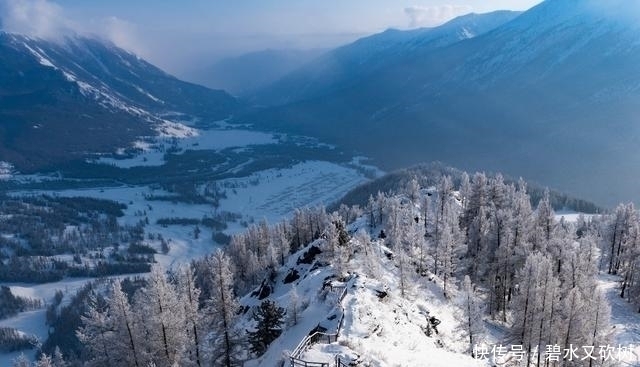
[(176, 34)]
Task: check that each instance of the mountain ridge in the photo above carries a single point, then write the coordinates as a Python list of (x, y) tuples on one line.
[(561, 93), (62, 100)]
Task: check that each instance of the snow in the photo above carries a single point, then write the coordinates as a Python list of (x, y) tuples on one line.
[(624, 319), (39, 56), (279, 191), (376, 332), (188, 139), (33, 322), (571, 216), (144, 92), (168, 129)]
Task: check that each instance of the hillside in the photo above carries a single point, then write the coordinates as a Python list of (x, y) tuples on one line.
[(349, 65), (61, 100), (556, 84), (244, 74), (428, 275)]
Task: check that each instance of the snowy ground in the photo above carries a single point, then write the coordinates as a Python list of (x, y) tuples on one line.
[(280, 191), (153, 152), (572, 216), (625, 320)]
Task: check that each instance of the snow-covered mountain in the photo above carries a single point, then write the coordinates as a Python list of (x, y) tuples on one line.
[(558, 84), (346, 65), (61, 99)]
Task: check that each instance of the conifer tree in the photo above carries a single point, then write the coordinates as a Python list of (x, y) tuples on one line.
[(269, 318)]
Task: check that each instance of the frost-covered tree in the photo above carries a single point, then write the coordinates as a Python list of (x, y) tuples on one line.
[(223, 307), (21, 361), (128, 339), (282, 241), (449, 250), (58, 358), (371, 256), (413, 190), (470, 315), (544, 223), (44, 361), (534, 303), (404, 271), (194, 320), (597, 322), (294, 308), (97, 333), (162, 313), (445, 189)]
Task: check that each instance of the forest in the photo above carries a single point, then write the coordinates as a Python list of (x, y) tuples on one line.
[(494, 255)]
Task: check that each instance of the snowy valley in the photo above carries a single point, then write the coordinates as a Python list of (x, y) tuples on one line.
[(442, 271), (147, 221)]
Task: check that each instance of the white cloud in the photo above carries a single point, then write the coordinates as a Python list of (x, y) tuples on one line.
[(429, 16), (46, 19), (36, 18), (124, 34)]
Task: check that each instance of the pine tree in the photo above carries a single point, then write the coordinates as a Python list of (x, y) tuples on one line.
[(269, 318)]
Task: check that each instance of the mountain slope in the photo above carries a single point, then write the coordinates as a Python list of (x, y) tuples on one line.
[(61, 100), (346, 65), (247, 73), (550, 95)]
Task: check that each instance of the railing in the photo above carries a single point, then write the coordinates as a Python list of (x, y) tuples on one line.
[(339, 362), (317, 338)]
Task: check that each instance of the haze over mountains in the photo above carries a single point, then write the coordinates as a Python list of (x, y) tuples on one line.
[(244, 74), (551, 94)]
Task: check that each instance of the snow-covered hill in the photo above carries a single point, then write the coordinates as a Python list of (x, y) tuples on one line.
[(378, 326)]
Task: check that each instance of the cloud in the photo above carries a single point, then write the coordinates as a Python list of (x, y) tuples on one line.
[(429, 16), (46, 19), (36, 18), (123, 33)]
